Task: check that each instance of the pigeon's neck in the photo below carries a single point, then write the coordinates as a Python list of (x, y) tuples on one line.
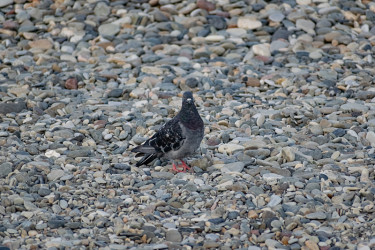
[(190, 118)]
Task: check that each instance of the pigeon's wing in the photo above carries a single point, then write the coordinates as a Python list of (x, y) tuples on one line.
[(168, 137)]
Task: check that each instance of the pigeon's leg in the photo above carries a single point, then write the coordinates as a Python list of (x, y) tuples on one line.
[(178, 167), (186, 167), (175, 168)]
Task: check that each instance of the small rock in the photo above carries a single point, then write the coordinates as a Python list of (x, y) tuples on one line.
[(274, 201), (43, 44), (288, 154), (55, 174), (5, 169), (262, 50), (173, 235), (162, 175), (71, 83), (109, 29), (56, 223), (115, 93), (230, 148), (311, 245), (248, 23), (251, 81), (206, 5), (236, 167), (4, 3), (6, 108), (316, 216)]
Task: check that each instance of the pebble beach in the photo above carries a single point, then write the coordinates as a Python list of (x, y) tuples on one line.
[(286, 92)]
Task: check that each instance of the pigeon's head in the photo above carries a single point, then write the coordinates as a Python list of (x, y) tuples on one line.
[(187, 98)]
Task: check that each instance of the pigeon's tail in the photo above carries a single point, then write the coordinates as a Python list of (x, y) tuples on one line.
[(146, 159)]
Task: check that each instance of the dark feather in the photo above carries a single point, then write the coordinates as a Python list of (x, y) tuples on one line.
[(146, 159), (168, 138), (146, 149)]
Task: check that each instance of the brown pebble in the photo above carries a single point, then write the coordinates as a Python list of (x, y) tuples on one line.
[(71, 83), (153, 2), (206, 5), (99, 124), (252, 214), (56, 67), (311, 245), (10, 25), (251, 81), (43, 44)]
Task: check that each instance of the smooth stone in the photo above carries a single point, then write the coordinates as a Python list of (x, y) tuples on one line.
[(4, 3), (236, 32), (370, 136), (55, 174), (274, 201), (115, 93), (109, 29), (54, 223), (6, 108), (316, 216), (230, 148), (101, 9), (236, 167), (43, 191), (79, 153), (248, 23), (356, 107), (5, 169), (272, 177), (306, 25), (162, 175), (278, 45), (261, 50), (276, 16), (173, 235), (288, 154), (212, 237)]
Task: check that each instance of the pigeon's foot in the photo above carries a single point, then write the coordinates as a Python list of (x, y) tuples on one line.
[(183, 166)]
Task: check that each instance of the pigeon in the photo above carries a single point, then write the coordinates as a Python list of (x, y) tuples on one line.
[(176, 139)]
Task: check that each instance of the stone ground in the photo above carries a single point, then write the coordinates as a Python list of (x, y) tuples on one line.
[(286, 91)]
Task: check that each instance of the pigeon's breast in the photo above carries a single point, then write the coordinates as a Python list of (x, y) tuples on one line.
[(193, 139)]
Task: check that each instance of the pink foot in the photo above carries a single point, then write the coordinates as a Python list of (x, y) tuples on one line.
[(184, 167)]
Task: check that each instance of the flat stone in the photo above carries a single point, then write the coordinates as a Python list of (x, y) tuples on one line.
[(248, 23), (356, 107), (236, 167), (306, 25), (6, 108), (274, 201), (288, 154), (261, 49), (109, 29), (43, 44), (230, 148), (4, 3), (276, 16), (316, 216), (5, 169), (173, 235), (55, 174), (162, 175)]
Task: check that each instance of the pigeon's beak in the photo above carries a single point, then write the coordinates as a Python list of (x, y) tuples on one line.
[(188, 100)]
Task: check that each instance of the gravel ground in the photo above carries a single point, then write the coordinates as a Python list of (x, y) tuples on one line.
[(286, 92)]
